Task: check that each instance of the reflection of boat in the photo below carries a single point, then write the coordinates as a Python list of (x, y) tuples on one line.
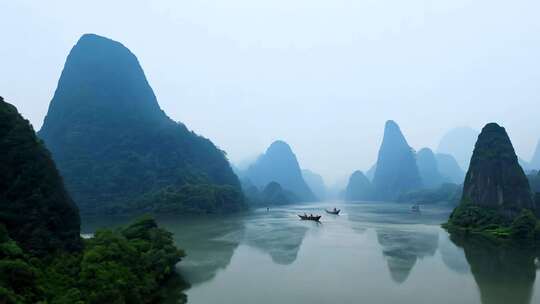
[(334, 211), (309, 217), (415, 208)]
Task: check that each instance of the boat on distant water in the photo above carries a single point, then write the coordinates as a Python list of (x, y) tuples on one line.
[(306, 217), (334, 211), (415, 208)]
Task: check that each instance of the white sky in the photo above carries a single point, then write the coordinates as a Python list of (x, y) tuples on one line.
[(322, 75)]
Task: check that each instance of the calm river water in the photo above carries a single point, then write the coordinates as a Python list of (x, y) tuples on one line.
[(370, 253)]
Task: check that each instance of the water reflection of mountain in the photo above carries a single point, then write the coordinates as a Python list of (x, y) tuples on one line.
[(452, 256), (402, 248), (278, 236), (504, 273), (209, 243), (356, 220)]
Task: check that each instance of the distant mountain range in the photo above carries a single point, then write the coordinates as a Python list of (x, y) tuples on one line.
[(405, 172), (316, 183), (429, 169), (449, 168), (404, 175), (459, 142)]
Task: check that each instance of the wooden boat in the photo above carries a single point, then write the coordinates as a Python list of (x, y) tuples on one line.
[(335, 211), (315, 218)]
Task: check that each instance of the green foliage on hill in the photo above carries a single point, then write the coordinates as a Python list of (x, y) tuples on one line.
[(115, 147), (524, 226), (18, 278), (42, 256), (34, 206), (473, 219), (188, 198), (476, 218), (126, 265)]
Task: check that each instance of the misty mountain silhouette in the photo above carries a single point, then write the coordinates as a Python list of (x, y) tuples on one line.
[(429, 169), (279, 164), (359, 187), (396, 170), (459, 142)]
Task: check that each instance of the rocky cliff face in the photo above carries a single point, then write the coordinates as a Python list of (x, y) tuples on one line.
[(359, 188), (114, 145), (396, 170), (279, 164), (34, 206), (495, 180)]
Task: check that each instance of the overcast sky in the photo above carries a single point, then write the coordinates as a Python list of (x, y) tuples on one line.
[(322, 75)]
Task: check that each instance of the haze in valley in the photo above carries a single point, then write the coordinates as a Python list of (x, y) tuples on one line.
[(324, 76)]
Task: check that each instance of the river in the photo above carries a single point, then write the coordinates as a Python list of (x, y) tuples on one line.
[(369, 253)]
